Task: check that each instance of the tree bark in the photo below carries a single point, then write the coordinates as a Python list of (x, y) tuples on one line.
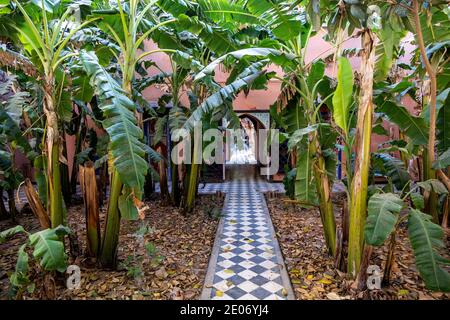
[(362, 274), (64, 169), (193, 176), (110, 242), (390, 259), (342, 238), (78, 140), (324, 191), (444, 223), (445, 180), (359, 185), (88, 185), (54, 197), (36, 205)]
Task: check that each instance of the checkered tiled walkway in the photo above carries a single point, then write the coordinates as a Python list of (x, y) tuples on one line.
[(246, 261), (211, 188)]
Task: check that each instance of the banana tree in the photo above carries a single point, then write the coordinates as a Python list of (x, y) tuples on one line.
[(346, 16), (129, 25), (360, 179), (376, 62), (435, 61), (384, 217), (313, 141), (42, 31), (166, 121), (422, 131)]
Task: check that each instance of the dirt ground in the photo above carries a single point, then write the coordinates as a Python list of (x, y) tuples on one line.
[(312, 271), (164, 256)]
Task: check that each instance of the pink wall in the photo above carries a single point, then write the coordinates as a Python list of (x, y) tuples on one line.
[(263, 99), (317, 48), (257, 99)]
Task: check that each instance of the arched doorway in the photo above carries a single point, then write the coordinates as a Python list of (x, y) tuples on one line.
[(241, 155), (242, 148)]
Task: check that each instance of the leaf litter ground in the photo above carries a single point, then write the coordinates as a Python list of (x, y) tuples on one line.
[(312, 270), (164, 256)]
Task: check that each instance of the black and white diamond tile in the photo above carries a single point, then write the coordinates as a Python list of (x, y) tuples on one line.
[(246, 262), (225, 187)]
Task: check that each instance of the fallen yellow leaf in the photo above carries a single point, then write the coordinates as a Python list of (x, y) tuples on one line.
[(296, 271), (403, 292), (325, 281)]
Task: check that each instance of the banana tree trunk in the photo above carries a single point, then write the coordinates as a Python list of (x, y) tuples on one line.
[(163, 186), (444, 222), (12, 205), (361, 280), (148, 185), (4, 214), (108, 253), (54, 193), (431, 198), (324, 191), (403, 157), (36, 205), (390, 260), (102, 183), (192, 182), (191, 188), (428, 170), (175, 192), (65, 180), (79, 140), (359, 185), (88, 185), (446, 181)]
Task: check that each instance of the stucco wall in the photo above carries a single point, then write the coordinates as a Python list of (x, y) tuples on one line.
[(263, 99), (256, 99)]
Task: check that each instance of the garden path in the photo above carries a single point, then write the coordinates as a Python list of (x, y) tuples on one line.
[(246, 261)]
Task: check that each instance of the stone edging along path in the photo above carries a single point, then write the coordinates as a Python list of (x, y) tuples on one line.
[(246, 261)]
